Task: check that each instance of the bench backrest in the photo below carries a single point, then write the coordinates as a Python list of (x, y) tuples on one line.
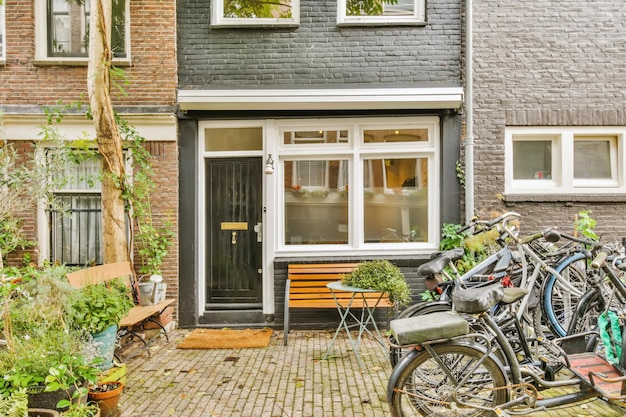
[(308, 289), (100, 273)]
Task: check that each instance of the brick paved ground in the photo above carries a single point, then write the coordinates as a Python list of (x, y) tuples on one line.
[(276, 381)]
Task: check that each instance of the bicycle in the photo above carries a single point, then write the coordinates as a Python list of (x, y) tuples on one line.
[(525, 267), (451, 369)]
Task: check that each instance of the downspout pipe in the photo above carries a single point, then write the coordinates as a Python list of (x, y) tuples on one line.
[(469, 115)]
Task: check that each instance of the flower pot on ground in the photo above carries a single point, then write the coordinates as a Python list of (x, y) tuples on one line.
[(105, 346), (106, 395), (98, 308)]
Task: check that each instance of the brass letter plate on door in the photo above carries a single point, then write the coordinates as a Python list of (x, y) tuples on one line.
[(234, 225)]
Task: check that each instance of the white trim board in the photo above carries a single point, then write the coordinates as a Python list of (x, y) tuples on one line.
[(322, 99)]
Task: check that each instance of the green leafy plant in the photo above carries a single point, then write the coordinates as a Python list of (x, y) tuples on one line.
[(14, 405), (380, 275), (584, 224), (96, 307), (62, 378), (153, 240), (40, 335)]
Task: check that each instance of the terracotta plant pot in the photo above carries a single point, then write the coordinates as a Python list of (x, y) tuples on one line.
[(106, 394)]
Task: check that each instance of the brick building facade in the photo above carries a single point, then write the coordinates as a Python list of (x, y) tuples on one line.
[(35, 73), (296, 99), (552, 72)]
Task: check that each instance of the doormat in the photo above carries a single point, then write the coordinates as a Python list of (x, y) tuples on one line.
[(226, 339)]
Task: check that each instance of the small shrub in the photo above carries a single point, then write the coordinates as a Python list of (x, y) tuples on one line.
[(380, 275)]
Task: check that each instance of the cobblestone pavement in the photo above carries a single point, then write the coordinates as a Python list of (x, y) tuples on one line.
[(277, 381)]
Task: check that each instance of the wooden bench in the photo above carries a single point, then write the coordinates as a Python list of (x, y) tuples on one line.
[(139, 315), (306, 288)]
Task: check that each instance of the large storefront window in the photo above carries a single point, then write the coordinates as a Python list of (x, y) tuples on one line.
[(360, 184), (396, 203)]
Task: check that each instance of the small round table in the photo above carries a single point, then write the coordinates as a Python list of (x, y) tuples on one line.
[(346, 307)]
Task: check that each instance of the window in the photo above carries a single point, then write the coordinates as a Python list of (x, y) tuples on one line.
[(372, 12), (65, 33), (255, 13), (2, 33), (564, 160), (361, 186), (76, 235)]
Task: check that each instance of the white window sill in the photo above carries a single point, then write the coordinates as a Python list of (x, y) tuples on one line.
[(77, 62)]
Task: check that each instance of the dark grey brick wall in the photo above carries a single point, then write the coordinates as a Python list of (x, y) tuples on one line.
[(318, 53), (539, 63)]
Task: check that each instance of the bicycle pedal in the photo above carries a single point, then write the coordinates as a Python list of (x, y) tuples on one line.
[(500, 412)]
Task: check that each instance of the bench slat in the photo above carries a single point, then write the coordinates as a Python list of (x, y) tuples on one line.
[(100, 273), (306, 288), (138, 314)]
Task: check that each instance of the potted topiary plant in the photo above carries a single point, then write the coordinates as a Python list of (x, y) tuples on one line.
[(98, 308), (383, 276)]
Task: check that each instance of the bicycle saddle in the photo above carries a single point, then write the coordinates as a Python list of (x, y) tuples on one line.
[(478, 299), (444, 258)]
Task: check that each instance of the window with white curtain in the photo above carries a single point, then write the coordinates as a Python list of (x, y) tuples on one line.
[(368, 183), (76, 230)]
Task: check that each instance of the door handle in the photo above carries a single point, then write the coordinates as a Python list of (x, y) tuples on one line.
[(258, 228)]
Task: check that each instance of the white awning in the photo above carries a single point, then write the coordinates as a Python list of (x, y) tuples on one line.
[(322, 99)]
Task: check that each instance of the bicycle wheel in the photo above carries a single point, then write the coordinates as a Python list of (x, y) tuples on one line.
[(423, 387), (558, 302)]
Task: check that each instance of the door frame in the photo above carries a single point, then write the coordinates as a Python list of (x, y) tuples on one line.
[(267, 265)]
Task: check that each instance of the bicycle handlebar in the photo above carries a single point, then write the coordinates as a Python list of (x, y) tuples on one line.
[(603, 253), (488, 224)]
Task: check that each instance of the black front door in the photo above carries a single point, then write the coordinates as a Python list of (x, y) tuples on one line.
[(233, 204)]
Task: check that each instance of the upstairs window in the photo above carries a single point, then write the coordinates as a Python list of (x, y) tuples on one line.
[(373, 12), (65, 33), (255, 12)]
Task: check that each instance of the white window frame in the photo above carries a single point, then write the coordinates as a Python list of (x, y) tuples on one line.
[(41, 40), (356, 152), (417, 18), (218, 19), (563, 181)]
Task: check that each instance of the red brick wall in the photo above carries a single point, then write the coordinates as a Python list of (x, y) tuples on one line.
[(152, 73)]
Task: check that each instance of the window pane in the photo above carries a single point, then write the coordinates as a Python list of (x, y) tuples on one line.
[(68, 28), (84, 175), (592, 159), (258, 9), (380, 7), (315, 215), (532, 159), (77, 235), (395, 135), (233, 139), (315, 136), (396, 202), (118, 35)]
